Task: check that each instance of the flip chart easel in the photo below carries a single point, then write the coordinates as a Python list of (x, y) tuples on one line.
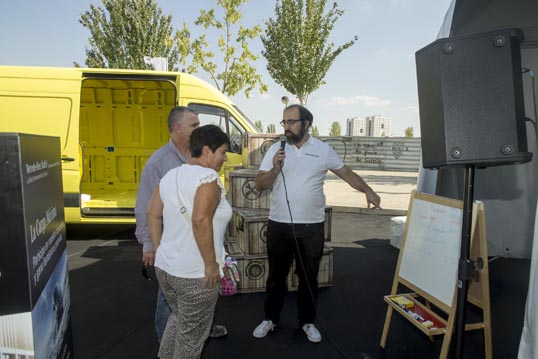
[(428, 266)]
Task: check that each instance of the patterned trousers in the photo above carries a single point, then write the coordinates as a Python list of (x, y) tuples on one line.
[(189, 324)]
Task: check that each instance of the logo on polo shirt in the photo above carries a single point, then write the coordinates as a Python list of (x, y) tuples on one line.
[(311, 154)]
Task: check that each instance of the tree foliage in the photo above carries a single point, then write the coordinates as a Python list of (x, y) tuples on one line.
[(259, 125), (237, 73), (271, 128), (335, 129), (297, 46), (315, 131), (125, 31), (409, 132)]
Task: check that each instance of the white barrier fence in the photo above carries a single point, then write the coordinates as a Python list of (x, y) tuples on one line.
[(377, 153)]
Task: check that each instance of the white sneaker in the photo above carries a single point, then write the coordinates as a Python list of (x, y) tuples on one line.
[(218, 331), (261, 330), (312, 333)]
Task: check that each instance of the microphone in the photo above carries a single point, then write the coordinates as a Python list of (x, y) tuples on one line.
[(283, 140), (282, 145)]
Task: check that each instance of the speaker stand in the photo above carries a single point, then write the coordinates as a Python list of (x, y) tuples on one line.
[(466, 267)]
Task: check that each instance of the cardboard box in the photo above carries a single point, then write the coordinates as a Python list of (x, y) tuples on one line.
[(255, 146), (254, 270), (397, 226), (249, 227), (325, 274), (243, 192), (227, 169), (251, 230)]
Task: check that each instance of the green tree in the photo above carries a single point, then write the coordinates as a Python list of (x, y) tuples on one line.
[(409, 132), (315, 131), (297, 46), (271, 128), (125, 31), (259, 125), (335, 129), (237, 72)]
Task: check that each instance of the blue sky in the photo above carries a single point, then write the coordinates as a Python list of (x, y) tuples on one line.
[(374, 76)]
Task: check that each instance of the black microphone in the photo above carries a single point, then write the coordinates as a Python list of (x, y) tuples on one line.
[(283, 140), (282, 145)]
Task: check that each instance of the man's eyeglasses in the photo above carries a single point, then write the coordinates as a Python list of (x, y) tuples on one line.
[(145, 273), (289, 122)]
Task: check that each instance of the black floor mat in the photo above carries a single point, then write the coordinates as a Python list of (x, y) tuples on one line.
[(113, 307)]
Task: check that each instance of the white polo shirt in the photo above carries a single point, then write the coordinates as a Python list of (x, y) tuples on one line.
[(304, 172)]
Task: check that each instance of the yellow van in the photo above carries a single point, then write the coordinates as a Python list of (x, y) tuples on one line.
[(109, 122)]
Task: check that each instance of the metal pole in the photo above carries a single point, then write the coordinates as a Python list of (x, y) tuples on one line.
[(465, 267)]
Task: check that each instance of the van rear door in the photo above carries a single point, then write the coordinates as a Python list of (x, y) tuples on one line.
[(123, 120)]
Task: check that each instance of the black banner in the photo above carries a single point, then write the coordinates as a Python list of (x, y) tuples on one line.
[(33, 254), (33, 236)]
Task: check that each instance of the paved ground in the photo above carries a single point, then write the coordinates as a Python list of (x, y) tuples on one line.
[(352, 221), (394, 188)]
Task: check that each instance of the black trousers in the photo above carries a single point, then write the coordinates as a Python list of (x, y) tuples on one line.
[(308, 250)]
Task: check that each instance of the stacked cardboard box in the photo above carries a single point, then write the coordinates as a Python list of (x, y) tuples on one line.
[(246, 234)]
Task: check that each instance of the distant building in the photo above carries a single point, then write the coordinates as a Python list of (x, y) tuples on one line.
[(357, 126), (379, 126), (372, 126)]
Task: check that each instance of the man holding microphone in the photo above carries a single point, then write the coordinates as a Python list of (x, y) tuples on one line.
[(296, 171)]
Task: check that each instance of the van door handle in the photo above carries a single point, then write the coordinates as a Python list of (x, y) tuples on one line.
[(67, 159)]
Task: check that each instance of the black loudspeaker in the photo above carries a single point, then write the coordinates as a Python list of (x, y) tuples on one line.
[(471, 102)]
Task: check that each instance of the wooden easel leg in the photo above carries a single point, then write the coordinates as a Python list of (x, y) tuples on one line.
[(386, 327), (446, 346), (486, 316), (487, 343), (448, 336), (488, 349), (428, 305)]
